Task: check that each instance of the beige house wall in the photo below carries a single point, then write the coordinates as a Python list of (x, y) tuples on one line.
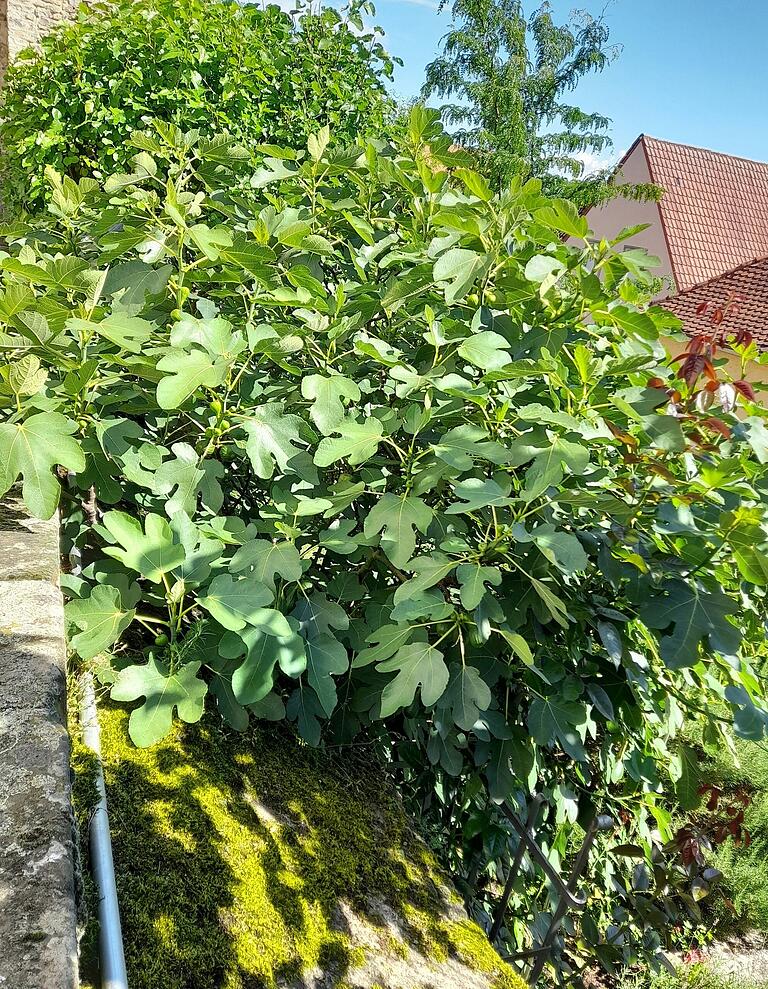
[(608, 220), (24, 22)]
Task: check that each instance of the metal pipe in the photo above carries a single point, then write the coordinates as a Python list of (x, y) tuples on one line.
[(111, 955), (601, 822), (567, 892)]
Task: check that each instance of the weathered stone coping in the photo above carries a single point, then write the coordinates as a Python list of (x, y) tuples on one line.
[(38, 938)]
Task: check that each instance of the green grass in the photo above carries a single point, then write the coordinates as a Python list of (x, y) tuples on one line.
[(745, 869), (694, 977), (749, 768)]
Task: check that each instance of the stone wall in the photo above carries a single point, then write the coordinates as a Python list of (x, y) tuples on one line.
[(38, 940), (38, 937), (23, 22)]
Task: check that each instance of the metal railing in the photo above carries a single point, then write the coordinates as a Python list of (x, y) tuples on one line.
[(568, 897)]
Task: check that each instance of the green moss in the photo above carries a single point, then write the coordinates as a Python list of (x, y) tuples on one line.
[(356, 957), (233, 852), (472, 946), (397, 948)]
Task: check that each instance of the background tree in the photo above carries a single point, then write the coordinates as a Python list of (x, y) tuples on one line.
[(510, 77)]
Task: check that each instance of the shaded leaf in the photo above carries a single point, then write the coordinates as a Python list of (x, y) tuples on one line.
[(473, 577), (267, 560), (467, 695), (397, 519), (693, 614), (31, 450), (101, 619)]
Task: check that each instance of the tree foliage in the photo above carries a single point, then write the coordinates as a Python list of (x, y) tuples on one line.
[(360, 443), (512, 77), (217, 66)]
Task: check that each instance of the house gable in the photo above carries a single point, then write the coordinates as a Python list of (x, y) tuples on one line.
[(608, 220)]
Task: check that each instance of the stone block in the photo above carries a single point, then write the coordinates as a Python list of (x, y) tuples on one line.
[(24, 22)]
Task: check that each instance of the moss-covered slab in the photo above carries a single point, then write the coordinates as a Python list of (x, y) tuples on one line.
[(253, 862)]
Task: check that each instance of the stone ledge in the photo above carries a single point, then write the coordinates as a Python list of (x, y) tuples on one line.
[(29, 548), (38, 938)]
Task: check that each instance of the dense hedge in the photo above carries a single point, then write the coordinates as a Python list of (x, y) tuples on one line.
[(353, 442), (213, 65)]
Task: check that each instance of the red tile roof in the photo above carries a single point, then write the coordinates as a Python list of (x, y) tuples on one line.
[(741, 295), (714, 210)]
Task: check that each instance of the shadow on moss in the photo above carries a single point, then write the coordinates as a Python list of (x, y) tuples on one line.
[(235, 853)]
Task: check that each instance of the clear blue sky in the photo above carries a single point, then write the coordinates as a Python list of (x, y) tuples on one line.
[(694, 71)]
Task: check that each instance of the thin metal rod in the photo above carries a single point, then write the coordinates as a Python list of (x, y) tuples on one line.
[(111, 955), (572, 899), (501, 909), (578, 867), (518, 956)]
